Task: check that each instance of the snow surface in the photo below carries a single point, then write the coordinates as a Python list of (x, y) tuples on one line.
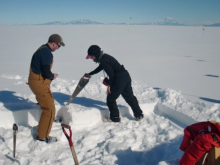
[(175, 73)]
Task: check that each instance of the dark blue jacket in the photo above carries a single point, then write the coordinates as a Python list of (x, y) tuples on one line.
[(41, 62)]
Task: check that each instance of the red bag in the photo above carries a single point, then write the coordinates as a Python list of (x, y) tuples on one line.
[(203, 135), (198, 147)]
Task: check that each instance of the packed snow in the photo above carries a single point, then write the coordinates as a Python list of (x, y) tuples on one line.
[(175, 73)]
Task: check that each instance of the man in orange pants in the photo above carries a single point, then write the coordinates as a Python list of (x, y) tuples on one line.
[(204, 135), (39, 81)]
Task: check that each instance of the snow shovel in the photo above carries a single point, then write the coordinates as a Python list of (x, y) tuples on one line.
[(82, 83), (15, 131), (69, 138)]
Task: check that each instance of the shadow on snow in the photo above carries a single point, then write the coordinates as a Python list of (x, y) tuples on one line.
[(20, 108), (204, 98), (164, 152), (210, 100), (15, 103), (210, 75), (61, 98)]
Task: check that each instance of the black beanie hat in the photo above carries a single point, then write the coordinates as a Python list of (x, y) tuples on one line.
[(94, 50)]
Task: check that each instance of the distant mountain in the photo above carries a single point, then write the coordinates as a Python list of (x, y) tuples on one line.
[(213, 25), (168, 21), (165, 21), (77, 22)]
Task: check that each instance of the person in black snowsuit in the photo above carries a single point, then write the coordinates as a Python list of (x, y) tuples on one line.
[(119, 82)]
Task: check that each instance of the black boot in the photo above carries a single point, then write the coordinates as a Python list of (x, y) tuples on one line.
[(114, 111), (135, 107)]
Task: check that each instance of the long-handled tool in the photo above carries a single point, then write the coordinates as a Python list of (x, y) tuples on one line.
[(61, 115), (82, 83), (69, 137), (15, 131)]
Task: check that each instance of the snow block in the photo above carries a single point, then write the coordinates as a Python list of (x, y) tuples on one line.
[(175, 115), (27, 117)]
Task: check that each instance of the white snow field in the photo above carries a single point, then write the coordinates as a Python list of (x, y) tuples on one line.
[(175, 73)]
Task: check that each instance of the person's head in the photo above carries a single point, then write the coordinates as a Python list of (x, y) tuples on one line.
[(94, 53), (55, 41)]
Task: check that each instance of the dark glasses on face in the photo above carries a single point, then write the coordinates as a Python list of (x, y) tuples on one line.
[(58, 45)]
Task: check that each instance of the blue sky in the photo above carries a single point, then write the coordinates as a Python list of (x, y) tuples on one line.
[(108, 11)]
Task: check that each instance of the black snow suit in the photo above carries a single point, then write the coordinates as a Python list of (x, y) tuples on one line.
[(120, 84)]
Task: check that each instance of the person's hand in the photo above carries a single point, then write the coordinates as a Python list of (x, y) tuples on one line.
[(108, 90), (87, 75), (55, 75)]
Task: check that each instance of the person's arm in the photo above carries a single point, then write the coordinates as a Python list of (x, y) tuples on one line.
[(97, 70), (46, 73), (108, 90), (108, 69)]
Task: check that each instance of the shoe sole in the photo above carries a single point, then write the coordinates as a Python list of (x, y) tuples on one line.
[(108, 120), (139, 119)]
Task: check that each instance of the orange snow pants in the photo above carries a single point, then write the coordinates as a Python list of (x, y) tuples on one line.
[(41, 88)]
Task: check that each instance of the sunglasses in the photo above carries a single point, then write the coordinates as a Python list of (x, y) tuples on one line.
[(58, 45)]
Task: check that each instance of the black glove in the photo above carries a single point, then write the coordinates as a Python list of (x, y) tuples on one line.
[(87, 75)]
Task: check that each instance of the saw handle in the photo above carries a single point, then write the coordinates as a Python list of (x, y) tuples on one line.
[(87, 76)]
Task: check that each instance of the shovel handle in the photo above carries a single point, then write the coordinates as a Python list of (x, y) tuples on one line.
[(74, 155), (69, 137), (15, 128)]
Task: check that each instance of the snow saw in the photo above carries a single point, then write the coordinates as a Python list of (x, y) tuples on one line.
[(62, 113), (82, 83)]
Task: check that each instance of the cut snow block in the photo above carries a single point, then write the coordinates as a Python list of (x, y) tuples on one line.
[(174, 115), (213, 157)]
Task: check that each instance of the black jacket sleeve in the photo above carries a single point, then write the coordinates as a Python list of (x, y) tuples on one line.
[(46, 73), (108, 69), (97, 70)]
